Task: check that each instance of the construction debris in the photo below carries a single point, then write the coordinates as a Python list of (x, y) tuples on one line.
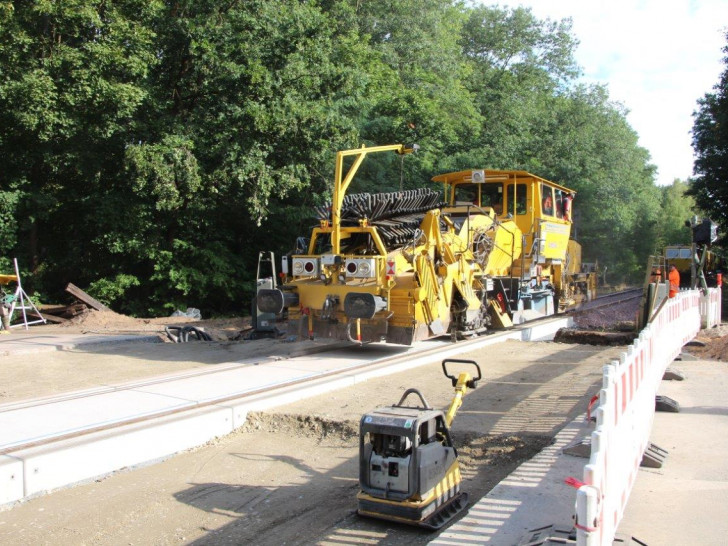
[(85, 298)]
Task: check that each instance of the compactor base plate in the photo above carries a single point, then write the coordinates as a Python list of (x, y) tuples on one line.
[(435, 521)]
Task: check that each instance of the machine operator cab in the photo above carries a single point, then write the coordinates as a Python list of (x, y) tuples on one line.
[(540, 208)]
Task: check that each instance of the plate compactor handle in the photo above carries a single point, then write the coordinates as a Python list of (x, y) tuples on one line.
[(472, 382), (461, 384), (400, 404)]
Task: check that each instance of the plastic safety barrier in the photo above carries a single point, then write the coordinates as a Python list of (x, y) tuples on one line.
[(711, 307), (625, 413)]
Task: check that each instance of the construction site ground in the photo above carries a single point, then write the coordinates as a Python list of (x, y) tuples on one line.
[(289, 476)]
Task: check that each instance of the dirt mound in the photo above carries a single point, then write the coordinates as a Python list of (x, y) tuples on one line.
[(474, 449), (594, 337), (108, 321), (301, 425), (499, 450), (711, 344)]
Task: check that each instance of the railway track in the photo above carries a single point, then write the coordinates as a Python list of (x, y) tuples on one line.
[(380, 358), (610, 300), (337, 364)]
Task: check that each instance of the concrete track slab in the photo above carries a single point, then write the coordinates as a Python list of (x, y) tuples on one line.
[(53, 427), (91, 409)]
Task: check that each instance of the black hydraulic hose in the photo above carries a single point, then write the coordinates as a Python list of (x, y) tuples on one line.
[(181, 334)]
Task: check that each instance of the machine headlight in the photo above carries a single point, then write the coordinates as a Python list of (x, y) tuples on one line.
[(360, 268), (305, 266)]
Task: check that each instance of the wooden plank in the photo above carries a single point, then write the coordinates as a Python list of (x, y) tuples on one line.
[(49, 318), (52, 309), (85, 298), (6, 279)]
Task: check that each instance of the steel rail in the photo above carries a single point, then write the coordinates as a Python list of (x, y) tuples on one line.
[(608, 300), (462, 346)]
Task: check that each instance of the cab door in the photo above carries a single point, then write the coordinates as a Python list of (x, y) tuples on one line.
[(553, 229)]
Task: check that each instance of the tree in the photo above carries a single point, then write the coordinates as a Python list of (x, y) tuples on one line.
[(710, 145), (537, 118), (676, 208), (417, 92), (593, 149), (152, 148), (243, 114), (518, 65), (71, 81), (146, 142)]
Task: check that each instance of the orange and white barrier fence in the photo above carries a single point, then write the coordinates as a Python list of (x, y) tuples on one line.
[(626, 410), (711, 307)]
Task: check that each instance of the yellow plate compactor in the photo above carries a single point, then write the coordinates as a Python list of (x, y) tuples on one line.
[(408, 466)]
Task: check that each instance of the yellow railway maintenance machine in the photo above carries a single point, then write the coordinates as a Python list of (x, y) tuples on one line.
[(409, 265), (408, 465)]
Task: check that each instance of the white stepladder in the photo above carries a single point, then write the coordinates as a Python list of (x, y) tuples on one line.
[(21, 302)]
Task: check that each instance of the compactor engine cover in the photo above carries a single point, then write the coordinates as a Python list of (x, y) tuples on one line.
[(408, 469)]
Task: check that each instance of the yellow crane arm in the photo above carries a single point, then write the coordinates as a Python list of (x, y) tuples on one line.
[(341, 182)]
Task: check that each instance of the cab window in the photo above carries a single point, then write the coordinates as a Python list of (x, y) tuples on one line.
[(547, 200), (559, 202), (491, 195), (466, 194), (521, 192)]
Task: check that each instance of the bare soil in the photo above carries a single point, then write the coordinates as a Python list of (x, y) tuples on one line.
[(712, 344), (109, 322), (290, 476)]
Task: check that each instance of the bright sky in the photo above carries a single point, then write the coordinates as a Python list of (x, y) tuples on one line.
[(657, 57)]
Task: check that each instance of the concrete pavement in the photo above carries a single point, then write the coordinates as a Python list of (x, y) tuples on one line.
[(683, 503), (21, 343), (686, 501)]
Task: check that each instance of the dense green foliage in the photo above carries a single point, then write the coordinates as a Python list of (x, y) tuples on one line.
[(677, 207), (152, 148), (710, 144)]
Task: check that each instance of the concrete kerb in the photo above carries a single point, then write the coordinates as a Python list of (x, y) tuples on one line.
[(74, 460), (294, 393), (29, 344), (32, 471)]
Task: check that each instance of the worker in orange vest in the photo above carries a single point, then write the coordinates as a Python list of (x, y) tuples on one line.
[(674, 280)]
